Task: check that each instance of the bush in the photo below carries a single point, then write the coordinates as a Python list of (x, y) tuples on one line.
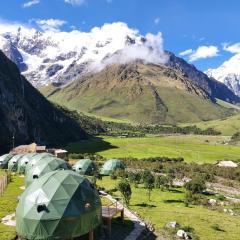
[(196, 185), (125, 188)]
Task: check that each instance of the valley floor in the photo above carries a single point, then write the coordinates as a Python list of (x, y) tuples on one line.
[(166, 206), (193, 148)]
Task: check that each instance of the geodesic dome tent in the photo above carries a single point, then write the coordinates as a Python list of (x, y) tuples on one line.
[(13, 162), (111, 166), (43, 167), (4, 159), (36, 158), (85, 167), (59, 205), (22, 164)]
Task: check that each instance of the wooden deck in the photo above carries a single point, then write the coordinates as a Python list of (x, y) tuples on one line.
[(108, 212)]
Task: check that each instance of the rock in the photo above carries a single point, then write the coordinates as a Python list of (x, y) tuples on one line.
[(173, 224), (227, 164), (182, 234), (212, 202)]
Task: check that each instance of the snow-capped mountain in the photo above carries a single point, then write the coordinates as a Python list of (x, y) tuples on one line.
[(228, 73), (59, 57)]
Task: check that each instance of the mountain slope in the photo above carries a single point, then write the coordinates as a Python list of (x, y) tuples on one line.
[(27, 115), (228, 73), (215, 88), (139, 92)]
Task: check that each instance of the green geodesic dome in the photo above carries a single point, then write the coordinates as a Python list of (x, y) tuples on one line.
[(38, 157), (22, 164), (85, 167), (4, 159), (13, 162), (111, 166), (45, 166), (59, 205)]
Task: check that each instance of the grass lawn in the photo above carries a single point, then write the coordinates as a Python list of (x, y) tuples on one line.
[(201, 149), (167, 206), (227, 126), (8, 203)]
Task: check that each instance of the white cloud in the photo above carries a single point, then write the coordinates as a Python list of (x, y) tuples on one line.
[(200, 53), (157, 20), (75, 2), (234, 48), (30, 3), (51, 24), (186, 52)]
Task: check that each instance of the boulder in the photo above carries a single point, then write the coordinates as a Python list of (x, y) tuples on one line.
[(212, 202), (173, 224), (227, 164), (182, 234)]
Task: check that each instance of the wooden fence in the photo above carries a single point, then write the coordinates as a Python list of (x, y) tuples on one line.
[(3, 183)]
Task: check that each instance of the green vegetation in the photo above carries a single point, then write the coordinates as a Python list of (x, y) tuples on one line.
[(227, 126), (139, 93), (125, 188), (8, 203), (200, 149), (166, 206)]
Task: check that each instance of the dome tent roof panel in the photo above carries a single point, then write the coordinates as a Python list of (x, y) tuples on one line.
[(111, 165), (85, 167), (80, 213), (4, 160), (44, 167)]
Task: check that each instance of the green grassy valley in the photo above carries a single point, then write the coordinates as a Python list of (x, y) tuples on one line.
[(199, 149)]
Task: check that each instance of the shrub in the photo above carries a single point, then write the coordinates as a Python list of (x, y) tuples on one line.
[(125, 188)]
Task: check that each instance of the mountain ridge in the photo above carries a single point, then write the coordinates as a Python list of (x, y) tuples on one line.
[(140, 92), (27, 115)]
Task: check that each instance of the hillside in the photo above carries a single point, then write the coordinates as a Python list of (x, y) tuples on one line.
[(145, 93), (27, 115)]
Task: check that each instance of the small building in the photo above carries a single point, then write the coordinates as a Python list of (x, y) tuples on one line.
[(59, 153), (59, 205), (85, 167), (41, 149), (42, 167), (24, 149), (111, 166)]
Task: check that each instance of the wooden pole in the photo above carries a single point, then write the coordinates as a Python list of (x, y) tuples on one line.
[(109, 224), (91, 235)]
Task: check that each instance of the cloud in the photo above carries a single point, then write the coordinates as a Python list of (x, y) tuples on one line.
[(186, 52), (51, 24), (200, 53), (30, 3), (233, 48), (157, 20), (75, 2)]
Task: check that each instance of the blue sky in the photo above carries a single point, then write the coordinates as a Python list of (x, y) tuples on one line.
[(185, 24)]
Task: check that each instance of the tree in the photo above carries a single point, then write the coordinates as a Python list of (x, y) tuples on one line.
[(125, 188), (162, 182), (134, 177), (148, 180), (196, 185)]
